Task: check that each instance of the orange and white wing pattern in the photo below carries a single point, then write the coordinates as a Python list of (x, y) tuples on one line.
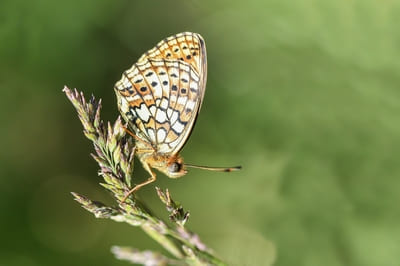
[(161, 95)]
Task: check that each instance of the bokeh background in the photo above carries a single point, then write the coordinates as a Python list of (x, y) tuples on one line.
[(304, 94)]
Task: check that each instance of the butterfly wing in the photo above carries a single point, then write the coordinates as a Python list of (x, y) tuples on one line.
[(188, 47), (161, 95)]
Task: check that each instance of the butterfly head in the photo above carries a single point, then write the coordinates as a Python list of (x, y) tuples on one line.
[(176, 169), (172, 166)]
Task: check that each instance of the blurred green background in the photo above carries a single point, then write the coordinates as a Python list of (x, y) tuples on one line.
[(304, 94)]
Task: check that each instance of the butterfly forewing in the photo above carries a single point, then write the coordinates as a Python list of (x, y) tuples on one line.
[(160, 96), (186, 46)]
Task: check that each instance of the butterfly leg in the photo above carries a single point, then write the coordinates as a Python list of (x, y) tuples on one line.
[(151, 179), (137, 138)]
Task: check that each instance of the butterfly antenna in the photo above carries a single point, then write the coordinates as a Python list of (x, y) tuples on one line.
[(217, 169)]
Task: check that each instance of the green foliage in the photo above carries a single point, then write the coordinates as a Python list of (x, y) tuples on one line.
[(114, 154)]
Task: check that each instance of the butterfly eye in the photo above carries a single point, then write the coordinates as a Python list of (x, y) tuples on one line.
[(174, 167)]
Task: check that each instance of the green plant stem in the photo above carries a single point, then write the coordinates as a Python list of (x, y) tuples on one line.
[(114, 152)]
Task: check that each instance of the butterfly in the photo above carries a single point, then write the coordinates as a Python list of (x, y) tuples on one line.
[(160, 97)]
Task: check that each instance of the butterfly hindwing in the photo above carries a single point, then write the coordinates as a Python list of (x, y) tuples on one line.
[(160, 96)]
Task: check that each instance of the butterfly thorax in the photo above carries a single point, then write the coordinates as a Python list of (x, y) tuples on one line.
[(170, 165)]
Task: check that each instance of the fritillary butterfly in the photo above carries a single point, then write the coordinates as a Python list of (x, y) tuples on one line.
[(160, 97)]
